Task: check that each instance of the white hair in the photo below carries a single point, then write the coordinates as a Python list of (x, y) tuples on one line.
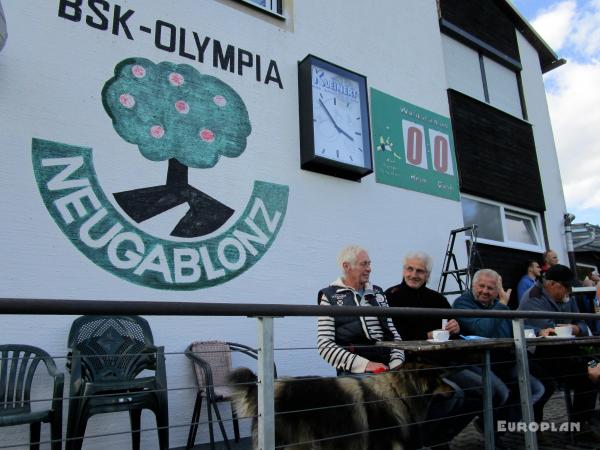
[(421, 256), (349, 254), (485, 273)]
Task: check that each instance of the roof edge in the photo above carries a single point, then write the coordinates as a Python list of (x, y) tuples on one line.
[(549, 60)]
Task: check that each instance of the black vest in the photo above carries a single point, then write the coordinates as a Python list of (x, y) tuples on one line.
[(349, 331)]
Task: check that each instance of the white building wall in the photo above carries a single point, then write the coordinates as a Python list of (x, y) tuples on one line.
[(51, 74), (537, 111)]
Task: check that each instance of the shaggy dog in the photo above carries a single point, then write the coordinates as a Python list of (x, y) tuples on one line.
[(373, 412)]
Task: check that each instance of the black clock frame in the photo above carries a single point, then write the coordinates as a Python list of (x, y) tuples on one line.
[(309, 159)]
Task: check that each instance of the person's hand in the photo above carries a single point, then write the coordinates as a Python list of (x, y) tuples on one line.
[(453, 327), (503, 296), (375, 367), (547, 332), (594, 374)]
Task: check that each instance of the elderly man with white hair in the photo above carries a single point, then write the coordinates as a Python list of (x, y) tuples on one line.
[(348, 342), (446, 418), (414, 293), (487, 294)]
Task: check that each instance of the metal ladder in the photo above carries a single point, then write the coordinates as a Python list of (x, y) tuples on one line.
[(461, 276)]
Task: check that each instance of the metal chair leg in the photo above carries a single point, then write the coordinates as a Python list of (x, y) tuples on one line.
[(236, 425), (225, 440), (194, 423), (209, 406)]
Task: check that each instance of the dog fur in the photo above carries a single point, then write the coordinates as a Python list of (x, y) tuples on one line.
[(350, 413)]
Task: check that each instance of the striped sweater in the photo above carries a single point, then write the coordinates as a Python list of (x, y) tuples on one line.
[(368, 328)]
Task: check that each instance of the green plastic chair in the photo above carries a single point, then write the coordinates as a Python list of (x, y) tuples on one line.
[(108, 355), (18, 365)]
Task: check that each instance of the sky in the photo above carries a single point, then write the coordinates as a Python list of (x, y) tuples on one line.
[(572, 29)]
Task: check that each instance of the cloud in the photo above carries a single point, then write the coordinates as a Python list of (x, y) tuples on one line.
[(573, 29), (554, 24), (586, 36)]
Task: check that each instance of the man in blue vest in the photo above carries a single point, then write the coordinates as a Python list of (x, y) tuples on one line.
[(348, 343)]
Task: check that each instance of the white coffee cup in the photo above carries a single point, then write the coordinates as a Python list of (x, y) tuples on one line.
[(563, 330), (529, 333), (441, 335)]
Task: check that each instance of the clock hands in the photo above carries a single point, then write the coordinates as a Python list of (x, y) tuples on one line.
[(334, 123)]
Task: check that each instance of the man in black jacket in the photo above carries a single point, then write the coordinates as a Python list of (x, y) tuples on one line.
[(413, 293)]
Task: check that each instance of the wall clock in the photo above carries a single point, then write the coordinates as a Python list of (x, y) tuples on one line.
[(335, 136)]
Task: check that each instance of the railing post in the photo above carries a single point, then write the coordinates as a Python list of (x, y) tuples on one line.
[(266, 378), (524, 386), (488, 408)]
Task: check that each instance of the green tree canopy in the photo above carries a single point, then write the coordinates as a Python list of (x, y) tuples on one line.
[(173, 111)]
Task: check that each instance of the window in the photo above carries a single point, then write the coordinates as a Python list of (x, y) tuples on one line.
[(470, 72), (463, 71), (503, 87), (273, 7), (498, 224), (520, 228)]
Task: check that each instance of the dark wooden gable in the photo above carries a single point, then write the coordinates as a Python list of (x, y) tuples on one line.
[(496, 154), (484, 20)]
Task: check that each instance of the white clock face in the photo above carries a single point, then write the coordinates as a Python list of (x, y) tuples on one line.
[(338, 124)]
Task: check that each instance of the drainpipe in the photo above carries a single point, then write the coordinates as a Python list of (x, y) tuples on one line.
[(569, 218)]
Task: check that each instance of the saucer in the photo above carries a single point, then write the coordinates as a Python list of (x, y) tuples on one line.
[(560, 337), (436, 341)]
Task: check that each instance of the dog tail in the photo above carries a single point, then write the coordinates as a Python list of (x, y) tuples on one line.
[(244, 392)]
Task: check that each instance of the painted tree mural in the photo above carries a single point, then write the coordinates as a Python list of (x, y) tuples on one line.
[(173, 112)]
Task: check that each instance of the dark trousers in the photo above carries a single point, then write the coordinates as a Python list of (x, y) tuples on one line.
[(563, 367), (448, 416)]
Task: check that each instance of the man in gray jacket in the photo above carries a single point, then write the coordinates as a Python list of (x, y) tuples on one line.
[(552, 295)]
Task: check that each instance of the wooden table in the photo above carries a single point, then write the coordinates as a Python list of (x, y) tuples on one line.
[(484, 347)]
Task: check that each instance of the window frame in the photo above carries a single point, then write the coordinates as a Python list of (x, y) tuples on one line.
[(535, 218), (485, 52), (275, 10)]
